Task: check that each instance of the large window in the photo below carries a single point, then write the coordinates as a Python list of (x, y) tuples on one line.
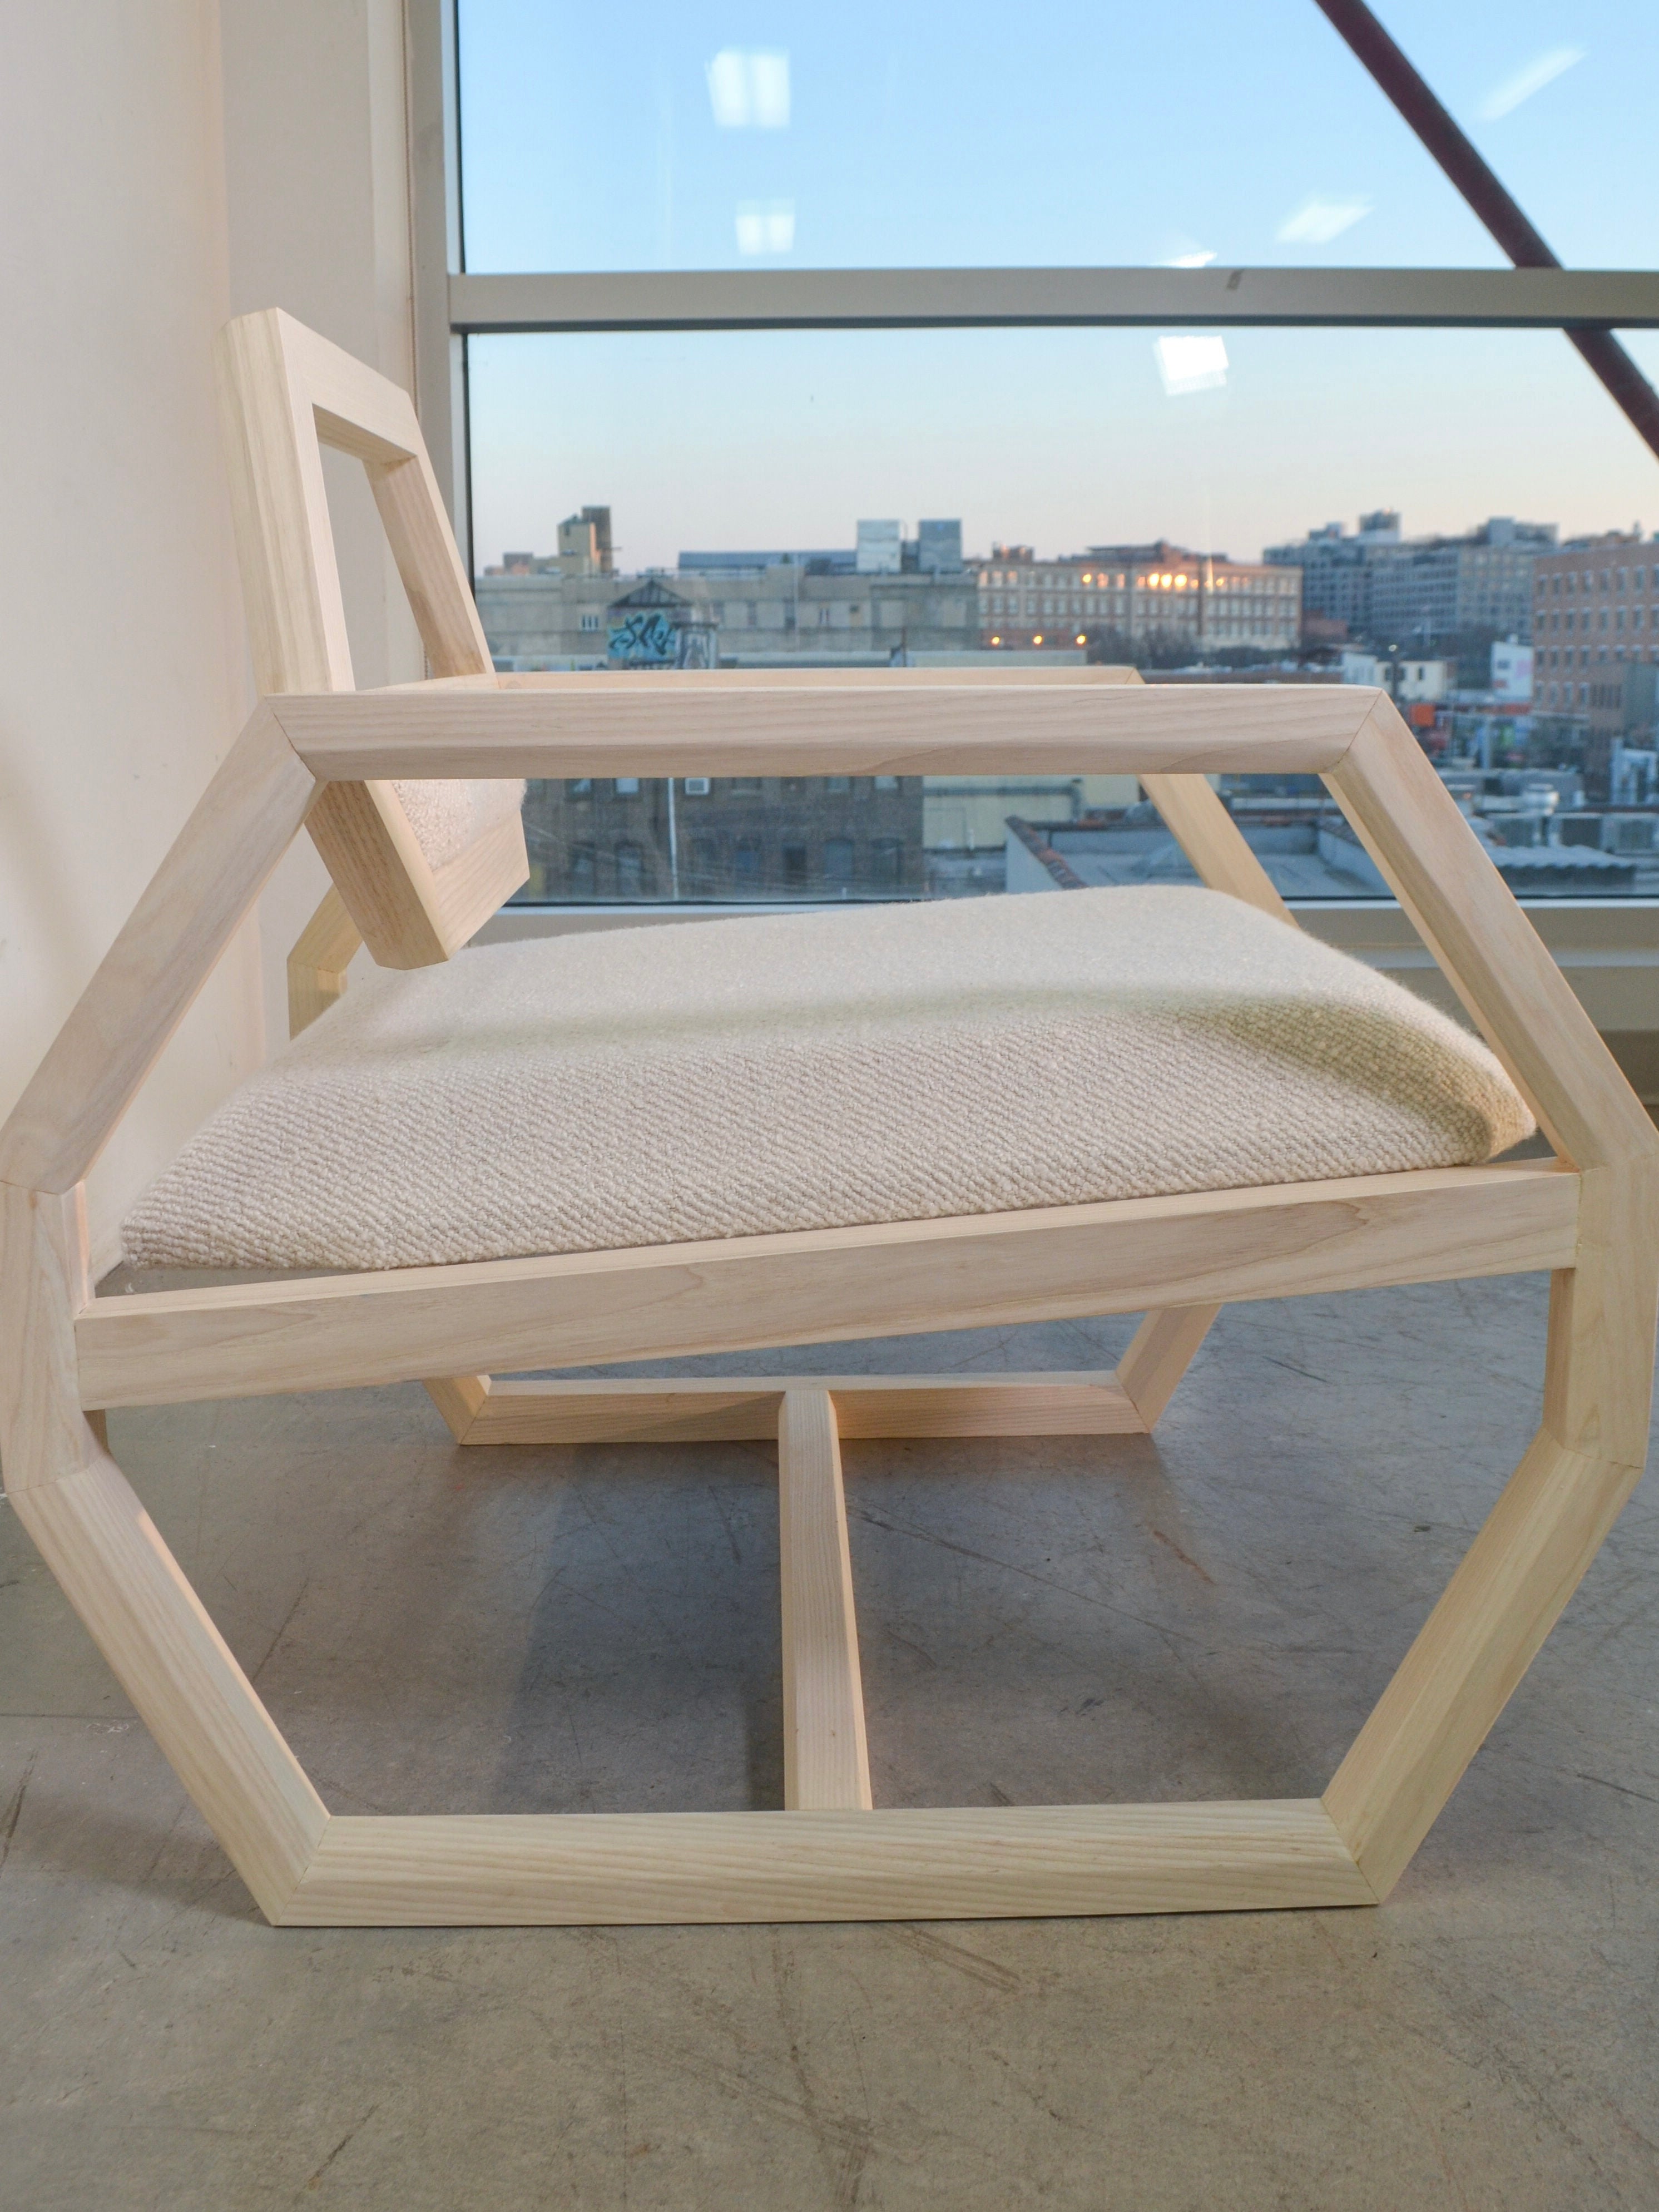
[(875, 134), (1454, 513)]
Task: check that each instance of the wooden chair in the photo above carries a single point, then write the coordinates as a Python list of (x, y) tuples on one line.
[(316, 752)]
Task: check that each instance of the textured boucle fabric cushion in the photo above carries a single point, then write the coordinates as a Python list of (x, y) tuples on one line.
[(447, 817), (727, 1078)]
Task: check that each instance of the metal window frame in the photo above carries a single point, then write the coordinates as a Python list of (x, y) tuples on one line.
[(436, 245), (1014, 299)]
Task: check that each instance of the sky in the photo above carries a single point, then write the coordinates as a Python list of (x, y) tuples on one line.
[(743, 136)]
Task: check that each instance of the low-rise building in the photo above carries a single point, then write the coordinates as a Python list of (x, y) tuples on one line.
[(1309, 851), (555, 612), (1511, 671), (1420, 683), (1134, 596), (1358, 667)]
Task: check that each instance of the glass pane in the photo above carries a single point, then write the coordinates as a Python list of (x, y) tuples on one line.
[(864, 135), (1448, 513)]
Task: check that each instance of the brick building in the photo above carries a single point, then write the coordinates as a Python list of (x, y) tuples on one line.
[(1595, 647), (1199, 603), (1596, 607)]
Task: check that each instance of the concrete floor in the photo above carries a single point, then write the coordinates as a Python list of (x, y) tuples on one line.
[(1209, 1615)]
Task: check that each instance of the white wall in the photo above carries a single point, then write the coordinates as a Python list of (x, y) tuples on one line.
[(123, 676), (164, 164), (167, 165)]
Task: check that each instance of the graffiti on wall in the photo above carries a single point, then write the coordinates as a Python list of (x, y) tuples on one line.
[(644, 636)]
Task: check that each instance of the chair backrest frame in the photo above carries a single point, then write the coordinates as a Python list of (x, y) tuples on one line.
[(287, 393)]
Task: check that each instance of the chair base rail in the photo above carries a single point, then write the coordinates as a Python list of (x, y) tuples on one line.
[(739, 1409), (983, 1862)]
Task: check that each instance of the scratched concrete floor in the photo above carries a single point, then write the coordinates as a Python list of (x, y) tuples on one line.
[(1041, 1621)]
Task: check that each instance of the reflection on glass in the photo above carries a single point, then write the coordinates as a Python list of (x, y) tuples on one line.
[(1320, 219), (1190, 364), (1506, 97), (766, 226), (748, 90)]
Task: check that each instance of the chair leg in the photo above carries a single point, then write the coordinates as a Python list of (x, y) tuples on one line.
[(1159, 1354), (461, 1399), (826, 1762), (1536, 1544), (317, 966), (204, 1714), (111, 1565)]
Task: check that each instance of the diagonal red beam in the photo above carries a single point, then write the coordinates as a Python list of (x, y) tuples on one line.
[(1488, 196)]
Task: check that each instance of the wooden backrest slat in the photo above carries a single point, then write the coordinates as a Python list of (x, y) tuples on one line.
[(287, 393)]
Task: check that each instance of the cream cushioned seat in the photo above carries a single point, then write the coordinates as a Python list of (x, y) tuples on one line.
[(728, 1079)]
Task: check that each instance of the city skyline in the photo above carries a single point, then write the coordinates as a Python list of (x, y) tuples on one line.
[(1350, 528), (1058, 438)]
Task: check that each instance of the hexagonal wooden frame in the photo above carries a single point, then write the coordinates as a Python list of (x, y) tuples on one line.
[(65, 1358), (1589, 1217)]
